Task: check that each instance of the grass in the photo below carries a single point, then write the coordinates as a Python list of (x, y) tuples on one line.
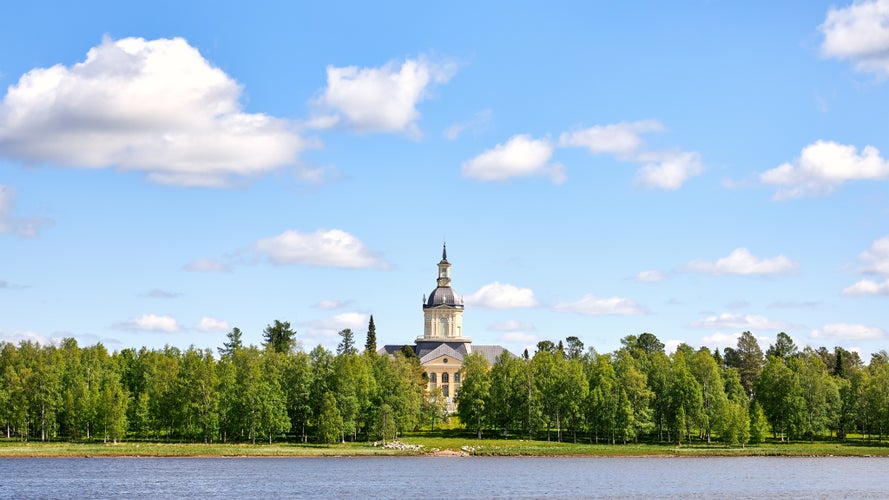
[(438, 441)]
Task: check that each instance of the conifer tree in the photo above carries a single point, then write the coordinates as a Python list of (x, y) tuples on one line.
[(370, 345)]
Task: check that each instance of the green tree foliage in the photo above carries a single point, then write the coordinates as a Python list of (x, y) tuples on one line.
[(233, 344), (347, 342), (783, 348), (747, 359), (472, 401), (330, 421), (279, 337), (370, 344)]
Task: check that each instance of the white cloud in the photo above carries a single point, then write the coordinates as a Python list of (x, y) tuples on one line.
[(740, 322), (323, 248), (822, 167), (380, 99), (868, 287), (149, 323), (211, 325), (621, 139), (519, 338), (860, 33), (162, 294), (28, 227), (671, 171), (650, 277), (520, 156), (722, 340), (477, 122), (742, 262), (328, 304), (847, 331), (876, 259), (153, 106), (324, 331), (512, 325), (595, 306), (498, 295), (18, 336), (207, 266)]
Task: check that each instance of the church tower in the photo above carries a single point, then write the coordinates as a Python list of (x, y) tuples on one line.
[(443, 311)]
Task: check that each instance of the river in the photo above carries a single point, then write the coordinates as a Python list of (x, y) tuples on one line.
[(446, 477)]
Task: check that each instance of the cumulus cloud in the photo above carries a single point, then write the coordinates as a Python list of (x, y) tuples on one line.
[(207, 266), (650, 277), (476, 123), (660, 169), (722, 340), (848, 331), (380, 99), (207, 324), (323, 248), (18, 336), (520, 156), (596, 306), (874, 260), (620, 139), (149, 323), (742, 262), (740, 322), (868, 287), (153, 106), (822, 167), (670, 171), (859, 33), (498, 295), (328, 304), (324, 331), (28, 227)]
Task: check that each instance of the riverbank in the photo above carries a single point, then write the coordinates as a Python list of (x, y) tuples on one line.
[(436, 446)]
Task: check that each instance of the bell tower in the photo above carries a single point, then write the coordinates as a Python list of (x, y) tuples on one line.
[(443, 310)]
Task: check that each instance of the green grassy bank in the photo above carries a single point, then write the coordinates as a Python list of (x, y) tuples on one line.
[(432, 444)]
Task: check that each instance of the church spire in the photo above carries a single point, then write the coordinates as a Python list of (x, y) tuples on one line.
[(444, 252)]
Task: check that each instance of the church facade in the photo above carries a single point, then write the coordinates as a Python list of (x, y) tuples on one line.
[(443, 344)]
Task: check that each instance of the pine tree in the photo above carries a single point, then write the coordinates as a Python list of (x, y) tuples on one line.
[(347, 344), (370, 345)]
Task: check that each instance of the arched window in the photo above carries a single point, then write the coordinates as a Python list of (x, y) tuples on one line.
[(444, 327), (444, 378), (432, 378), (444, 391), (457, 378)]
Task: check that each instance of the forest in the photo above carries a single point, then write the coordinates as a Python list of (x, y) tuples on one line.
[(561, 392)]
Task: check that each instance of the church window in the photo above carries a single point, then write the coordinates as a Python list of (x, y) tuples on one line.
[(444, 378), (432, 378), (444, 360), (444, 391), (457, 378)]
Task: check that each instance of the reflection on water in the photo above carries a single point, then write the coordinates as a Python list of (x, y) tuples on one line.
[(445, 477)]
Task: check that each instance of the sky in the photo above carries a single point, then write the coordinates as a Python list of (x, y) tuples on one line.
[(172, 170)]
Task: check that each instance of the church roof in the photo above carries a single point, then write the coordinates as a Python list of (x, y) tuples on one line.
[(443, 296), (427, 351)]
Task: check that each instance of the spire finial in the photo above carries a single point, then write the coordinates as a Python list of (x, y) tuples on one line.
[(444, 251)]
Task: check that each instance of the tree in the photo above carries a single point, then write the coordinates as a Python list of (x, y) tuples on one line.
[(777, 389), (234, 342), (783, 347), (475, 391), (279, 337), (330, 422), (347, 342), (370, 345), (747, 359), (713, 398), (435, 407), (575, 347)]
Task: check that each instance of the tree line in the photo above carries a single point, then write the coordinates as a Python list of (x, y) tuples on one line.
[(638, 392), (247, 393)]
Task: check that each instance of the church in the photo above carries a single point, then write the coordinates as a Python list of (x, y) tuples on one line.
[(443, 345)]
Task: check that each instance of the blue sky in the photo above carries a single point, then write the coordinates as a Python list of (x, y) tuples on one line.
[(169, 171)]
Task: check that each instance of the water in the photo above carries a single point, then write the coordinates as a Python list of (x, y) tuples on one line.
[(445, 477)]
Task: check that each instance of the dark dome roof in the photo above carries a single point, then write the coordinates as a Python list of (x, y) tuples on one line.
[(443, 295)]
